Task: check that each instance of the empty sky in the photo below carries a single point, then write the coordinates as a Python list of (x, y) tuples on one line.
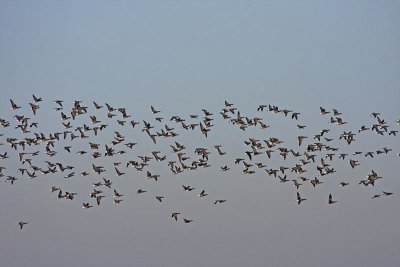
[(181, 57)]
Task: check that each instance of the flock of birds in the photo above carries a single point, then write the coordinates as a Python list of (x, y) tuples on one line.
[(36, 151)]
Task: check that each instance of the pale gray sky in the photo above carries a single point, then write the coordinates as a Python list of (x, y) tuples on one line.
[(181, 57)]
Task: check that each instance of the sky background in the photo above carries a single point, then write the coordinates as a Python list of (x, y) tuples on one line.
[(181, 57)]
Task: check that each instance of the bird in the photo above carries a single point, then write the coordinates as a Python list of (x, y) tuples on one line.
[(54, 189), (152, 176), (299, 199), (119, 173), (174, 215), (97, 106), (187, 188), (330, 200), (202, 194), (22, 223), (301, 138), (323, 111), (353, 163), (117, 195), (13, 105), (153, 110), (98, 199), (141, 191), (34, 107), (159, 198), (86, 206)]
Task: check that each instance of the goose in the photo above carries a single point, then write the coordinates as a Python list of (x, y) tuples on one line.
[(375, 196), (134, 123), (296, 184), (300, 199), (187, 188), (324, 131), (69, 195), (330, 200), (336, 112), (363, 128), (159, 198), (343, 184), (353, 163), (225, 168), (153, 110), (141, 191), (59, 102), (34, 108), (95, 193), (370, 153), (202, 194), (330, 156), (117, 201), (54, 189), (315, 182), (272, 172), (117, 195), (339, 121), (323, 111), (218, 148), (295, 115), (119, 173), (301, 138), (387, 193), (187, 220), (174, 215), (286, 112), (97, 184), (387, 150), (69, 175), (283, 179), (261, 107), (107, 183), (86, 205), (109, 108), (21, 224), (152, 176), (260, 165), (238, 160), (13, 105), (375, 114), (283, 168), (130, 145), (219, 201), (98, 199), (97, 106)]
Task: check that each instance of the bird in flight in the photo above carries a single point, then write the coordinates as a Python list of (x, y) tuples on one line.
[(22, 223), (330, 200)]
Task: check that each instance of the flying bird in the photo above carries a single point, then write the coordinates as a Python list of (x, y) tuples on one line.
[(22, 223)]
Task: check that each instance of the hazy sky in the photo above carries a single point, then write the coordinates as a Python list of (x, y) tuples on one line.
[(181, 57)]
